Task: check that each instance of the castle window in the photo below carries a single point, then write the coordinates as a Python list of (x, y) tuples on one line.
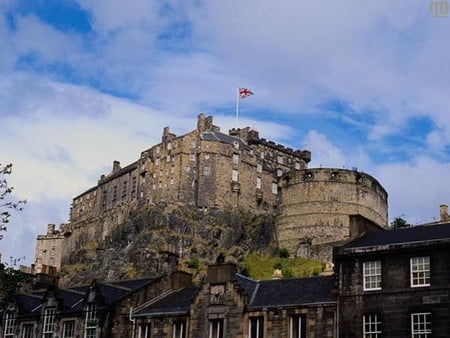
[(216, 328), (27, 331), (172, 169), (279, 172), (69, 329), (280, 159), (297, 326), (258, 183), (49, 323), (157, 161), (10, 324), (192, 144), (421, 325), (206, 170), (236, 144), (133, 185), (160, 173), (235, 159), (171, 181), (179, 329), (157, 149), (297, 166), (192, 157), (114, 197), (261, 155), (420, 271), (168, 158), (259, 168), (207, 156), (169, 146), (274, 188), (256, 327), (371, 326), (372, 275), (234, 175)]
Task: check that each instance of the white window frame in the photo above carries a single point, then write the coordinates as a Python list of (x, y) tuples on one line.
[(259, 168), (206, 171), (279, 172), (49, 323), (216, 328), (421, 325), (179, 329), (372, 275), (259, 323), (274, 188), (90, 323), (10, 324), (258, 182), (144, 330), (68, 329), (235, 175), (371, 326), (235, 158), (420, 271), (27, 330), (297, 322)]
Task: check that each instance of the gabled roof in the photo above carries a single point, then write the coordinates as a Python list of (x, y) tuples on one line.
[(174, 303), (409, 235), (292, 292)]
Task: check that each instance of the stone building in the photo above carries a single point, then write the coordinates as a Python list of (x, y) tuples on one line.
[(230, 305), (316, 205), (395, 283), (48, 253), (205, 168)]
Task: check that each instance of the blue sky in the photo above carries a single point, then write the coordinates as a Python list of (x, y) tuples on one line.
[(86, 82)]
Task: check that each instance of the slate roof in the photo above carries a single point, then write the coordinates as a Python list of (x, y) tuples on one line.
[(176, 302), (409, 235), (292, 292), (224, 138)]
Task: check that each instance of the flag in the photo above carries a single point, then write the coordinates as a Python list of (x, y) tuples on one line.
[(244, 92)]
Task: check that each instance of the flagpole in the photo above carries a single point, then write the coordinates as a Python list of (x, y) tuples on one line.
[(237, 107)]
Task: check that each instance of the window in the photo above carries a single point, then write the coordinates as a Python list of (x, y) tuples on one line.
[(420, 271), (10, 324), (297, 325), (27, 331), (144, 331), (261, 154), (207, 156), (216, 328), (192, 157), (90, 325), (192, 144), (421, 325), (169, 145), (49, 320), (234, 175), (69, 329), (259, 168), (256, 327), (279, 172), (258, 183), (179, 329), (280, 159), (235, 158), (274, 188), (371, 326), (372, 275), (206, 170)]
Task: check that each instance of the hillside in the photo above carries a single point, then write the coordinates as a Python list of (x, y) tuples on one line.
[(151, 240)]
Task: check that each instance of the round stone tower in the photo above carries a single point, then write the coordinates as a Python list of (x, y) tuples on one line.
[(316, 205)]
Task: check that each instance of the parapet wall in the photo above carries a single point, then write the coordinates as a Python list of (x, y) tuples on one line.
[(316, 205)]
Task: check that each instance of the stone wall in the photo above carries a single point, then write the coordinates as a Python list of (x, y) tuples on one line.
[(316, 205)]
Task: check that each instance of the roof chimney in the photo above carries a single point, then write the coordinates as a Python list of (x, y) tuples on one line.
[(443, 211)]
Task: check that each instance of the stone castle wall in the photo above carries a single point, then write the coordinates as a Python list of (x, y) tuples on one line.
[(316, 204)]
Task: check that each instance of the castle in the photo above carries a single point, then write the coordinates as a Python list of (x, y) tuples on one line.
[(210, 169)]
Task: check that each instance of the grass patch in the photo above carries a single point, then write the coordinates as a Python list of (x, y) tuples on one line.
[(261, 267)]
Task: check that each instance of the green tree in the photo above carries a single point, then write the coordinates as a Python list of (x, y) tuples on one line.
[(10, 279), (399, 223)]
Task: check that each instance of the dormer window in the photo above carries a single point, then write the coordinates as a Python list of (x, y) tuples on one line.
[(91, 320), (49, 323), (10, 324)]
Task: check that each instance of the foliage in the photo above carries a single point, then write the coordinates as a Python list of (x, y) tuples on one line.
[(6, 203), (283, 253), (11, 280), (258, 266), (399, 223), (193, 263)]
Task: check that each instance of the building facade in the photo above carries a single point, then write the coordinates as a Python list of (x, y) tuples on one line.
[(395, 283), (48, 253)]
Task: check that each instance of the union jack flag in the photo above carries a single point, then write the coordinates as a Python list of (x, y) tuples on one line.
[(244, 92)]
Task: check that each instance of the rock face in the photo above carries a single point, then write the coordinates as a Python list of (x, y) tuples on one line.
[(154, 239)]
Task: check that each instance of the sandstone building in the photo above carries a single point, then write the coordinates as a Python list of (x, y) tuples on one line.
[(48, 253)]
